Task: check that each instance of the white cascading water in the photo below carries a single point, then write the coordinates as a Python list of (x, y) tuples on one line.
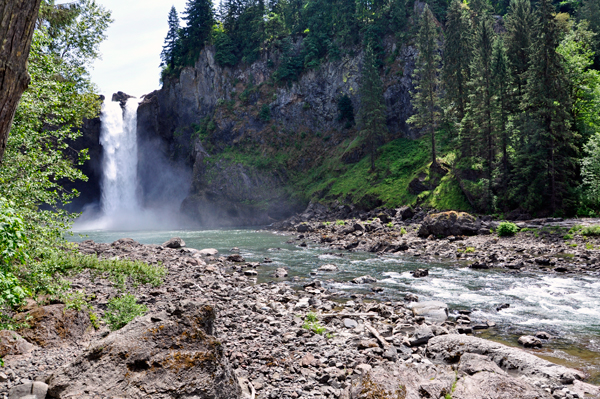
[(119, 164)]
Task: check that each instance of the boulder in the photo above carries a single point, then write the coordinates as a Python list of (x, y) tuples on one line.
[(208, 252), (170, 354), (422, 334), (529, 341), (303, 228), (488, 385), (364, 280), (51, 325), (405, 213), (236, 258), (280, 273), (418, 273), (401, 381), (450, 349), (328, 268), (449, 224), (175, 243), (434, 311), (30, 390), (12, 343)]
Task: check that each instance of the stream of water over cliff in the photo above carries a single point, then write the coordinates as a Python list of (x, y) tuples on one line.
[(566, 306)]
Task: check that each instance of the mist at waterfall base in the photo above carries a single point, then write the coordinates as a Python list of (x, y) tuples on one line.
[(125, 204)]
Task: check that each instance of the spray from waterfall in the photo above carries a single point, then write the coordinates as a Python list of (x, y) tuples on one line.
[(120, 206)]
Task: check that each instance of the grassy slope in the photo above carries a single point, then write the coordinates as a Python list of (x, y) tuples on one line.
[(399, 162)]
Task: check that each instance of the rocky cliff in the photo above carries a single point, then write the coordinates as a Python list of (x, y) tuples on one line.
[(244, 136)]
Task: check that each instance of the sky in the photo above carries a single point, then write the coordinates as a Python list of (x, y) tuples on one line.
[(131, 53)]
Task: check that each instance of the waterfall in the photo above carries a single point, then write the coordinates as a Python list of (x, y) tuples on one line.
[(118, 137)]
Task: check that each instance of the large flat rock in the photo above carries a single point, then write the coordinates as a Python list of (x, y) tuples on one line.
[(434, 311), (450, 349), (170, 354)]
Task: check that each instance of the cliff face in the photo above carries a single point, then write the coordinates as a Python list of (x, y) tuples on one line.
[(210, 114)]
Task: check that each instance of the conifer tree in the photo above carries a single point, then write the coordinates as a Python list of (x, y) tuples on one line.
[(500, 89), (426, 98), (457, 53), (199, 17), (548, 158), (480, 108), (519, 25), (371, 115), (171, 46)]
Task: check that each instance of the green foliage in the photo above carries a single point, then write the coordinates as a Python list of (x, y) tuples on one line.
[(199, 17), (590, 231), (311, 323), (121, 310), (402, 231), (12, 236), (340, 223), (506, 229), (172, 48), (372, 113), (265, 113), (426, 98), (590, 170)]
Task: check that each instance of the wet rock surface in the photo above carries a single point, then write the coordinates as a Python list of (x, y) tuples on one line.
[(274, 348)]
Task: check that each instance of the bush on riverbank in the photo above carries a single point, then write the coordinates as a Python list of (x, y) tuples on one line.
[(507, 229)]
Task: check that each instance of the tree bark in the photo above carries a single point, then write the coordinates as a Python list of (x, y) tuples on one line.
[(17, 23)]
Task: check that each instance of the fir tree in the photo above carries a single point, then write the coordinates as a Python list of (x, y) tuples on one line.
[(426, 97), (457, 53), (500, 88), (371, 115), (480, 108), (199, 17), (548, 157), (519, 25), (171, 46)]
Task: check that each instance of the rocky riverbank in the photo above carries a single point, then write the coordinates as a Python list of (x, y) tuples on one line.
[(551, 245), (211, 331)]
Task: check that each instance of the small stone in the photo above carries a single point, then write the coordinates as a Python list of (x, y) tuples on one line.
[(307, 360), (411, 298), (250, 273), (364, 280), (349, 323), (280, 273), (503, 306), (208, 252), (236, 258)]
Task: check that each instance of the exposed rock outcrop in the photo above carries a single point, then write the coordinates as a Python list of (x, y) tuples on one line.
[(171, 354), (451, 223), (209, 109)]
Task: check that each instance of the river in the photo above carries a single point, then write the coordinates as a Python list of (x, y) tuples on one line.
[(565, 306)]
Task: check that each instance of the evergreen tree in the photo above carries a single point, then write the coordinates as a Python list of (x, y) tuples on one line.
[(548, 156), (457, 53), (199, 17), (426, 97), (590, 11), (371, 115), (500, 88), (171, 46), (519, 24), (480, 108)]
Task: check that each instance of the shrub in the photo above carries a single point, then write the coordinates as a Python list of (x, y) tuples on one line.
[(121, 310), (340, 223), (506, 229), (311, 323), (265, 113), (591, 231), (402, 231)]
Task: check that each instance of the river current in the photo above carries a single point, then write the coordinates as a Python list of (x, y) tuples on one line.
[(565, 306)]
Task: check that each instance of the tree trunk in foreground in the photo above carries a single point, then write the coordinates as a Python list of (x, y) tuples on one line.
[(17, 23)]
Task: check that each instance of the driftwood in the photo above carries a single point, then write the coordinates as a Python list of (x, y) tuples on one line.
[(328, 315), (376, 334), (17, 23)]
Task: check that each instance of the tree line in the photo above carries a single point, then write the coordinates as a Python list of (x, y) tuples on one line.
[(519, 96), (514, 86)]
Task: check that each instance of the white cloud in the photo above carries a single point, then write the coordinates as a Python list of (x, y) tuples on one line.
[(131, 53)]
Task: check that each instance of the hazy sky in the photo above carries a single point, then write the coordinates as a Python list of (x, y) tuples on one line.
[(131, 53)]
